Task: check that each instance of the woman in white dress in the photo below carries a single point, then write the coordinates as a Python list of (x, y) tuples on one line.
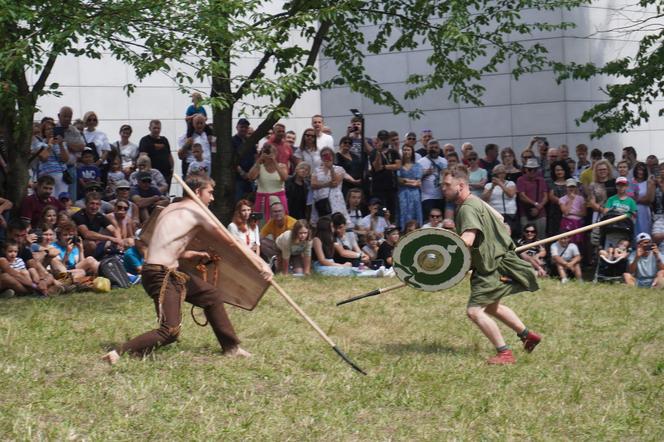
[(326, 182)]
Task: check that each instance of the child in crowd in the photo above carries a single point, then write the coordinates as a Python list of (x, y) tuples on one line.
[(68, 204), (387, 247), (115, 175), (371, 247), (567, 259), (14, 265), (615, 254), (199, 164), (87, 172)]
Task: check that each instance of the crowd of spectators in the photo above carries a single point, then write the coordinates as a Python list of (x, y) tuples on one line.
[(317, 205)]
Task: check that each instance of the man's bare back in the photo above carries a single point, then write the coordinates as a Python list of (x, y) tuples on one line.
[(176, 226)]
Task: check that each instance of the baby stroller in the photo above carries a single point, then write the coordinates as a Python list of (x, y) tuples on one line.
[(612, 270)]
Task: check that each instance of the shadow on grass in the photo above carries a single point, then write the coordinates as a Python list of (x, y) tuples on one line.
[(426, 348)]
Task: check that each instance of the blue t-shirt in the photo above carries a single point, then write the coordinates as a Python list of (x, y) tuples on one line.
[(73, 256), (88, 173), (191, 110)]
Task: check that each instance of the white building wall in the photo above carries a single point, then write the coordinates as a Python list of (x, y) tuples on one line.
[(513, 111)]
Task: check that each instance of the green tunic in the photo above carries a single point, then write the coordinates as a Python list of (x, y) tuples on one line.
[(492, 256)]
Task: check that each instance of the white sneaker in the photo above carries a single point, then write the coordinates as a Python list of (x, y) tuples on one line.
[(564, 281), (380, 273)]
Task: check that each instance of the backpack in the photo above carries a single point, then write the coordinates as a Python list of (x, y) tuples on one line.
[(113, 268)]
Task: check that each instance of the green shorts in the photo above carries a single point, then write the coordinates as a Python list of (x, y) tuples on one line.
[(488, 288)]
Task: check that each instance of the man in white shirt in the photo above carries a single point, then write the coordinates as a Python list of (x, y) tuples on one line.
[(322, 139), (432, 166), (199, 136)]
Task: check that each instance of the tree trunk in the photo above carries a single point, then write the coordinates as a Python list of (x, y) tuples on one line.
[(223, 160), (18, 135)]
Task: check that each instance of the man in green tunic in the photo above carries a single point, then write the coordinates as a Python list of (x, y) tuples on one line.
[(497, 270)]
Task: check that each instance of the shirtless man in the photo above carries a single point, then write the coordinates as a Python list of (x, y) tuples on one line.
[(177, 226)]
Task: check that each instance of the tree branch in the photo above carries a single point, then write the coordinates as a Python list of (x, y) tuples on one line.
[(254, 73)]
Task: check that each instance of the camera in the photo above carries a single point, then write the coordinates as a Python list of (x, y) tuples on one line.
[(40, 235), (256, 216), (75, 239), (382, 211), (59, 131)]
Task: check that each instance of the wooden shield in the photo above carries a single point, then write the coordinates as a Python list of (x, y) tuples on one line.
[(242, 278), (431, 259)]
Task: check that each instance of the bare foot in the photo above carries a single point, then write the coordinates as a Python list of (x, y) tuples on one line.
[(237, 352), (111, 357)]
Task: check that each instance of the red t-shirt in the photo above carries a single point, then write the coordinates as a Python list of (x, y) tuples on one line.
[(284, 153), (32, 207)]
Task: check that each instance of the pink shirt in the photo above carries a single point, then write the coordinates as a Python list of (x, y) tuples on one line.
[(578, 206)]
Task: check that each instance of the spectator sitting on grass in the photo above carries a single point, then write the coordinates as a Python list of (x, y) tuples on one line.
[(645, 267), (90, 222), (14, 266), (346, 248), (93, 187), (371, 247), (146, 196), (294, 248), (279, 223), (535, 255), (435, 219), (567, 258), (71, 257), (378, 218), (33, 205), (387, 247)]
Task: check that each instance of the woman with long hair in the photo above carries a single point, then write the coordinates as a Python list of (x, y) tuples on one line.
[(295, 249), (351, 163), (602, 187), (500, 193), (644, 194), (512, 169), (271, 177), (560, 173), (326, 182), (536, 256), (409, 178), (49, 217), (308, 151), (245, 227)]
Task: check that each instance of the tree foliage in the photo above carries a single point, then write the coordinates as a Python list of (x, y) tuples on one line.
[(636, 82), (211, 40)]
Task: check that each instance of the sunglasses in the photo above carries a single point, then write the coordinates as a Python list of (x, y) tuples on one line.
[(122, 208), (411, 138), (529, 231), (345, 142), (435, 216), (472, 159), (91, 119), (309, 135)]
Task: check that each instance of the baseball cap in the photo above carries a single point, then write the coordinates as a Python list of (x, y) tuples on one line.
[(375, 200), (274, 200), (643, 236), (383, 134), (144, 176), (389, 229), (621, 180), (411, 135), (64, 196), (122, 184), (243, 122), (570, 182)]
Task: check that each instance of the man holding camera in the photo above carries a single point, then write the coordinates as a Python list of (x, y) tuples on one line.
[(645, 267), (385, 162)]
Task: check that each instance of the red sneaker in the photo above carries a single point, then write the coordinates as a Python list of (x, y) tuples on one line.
[(502, 358), (531, 341)]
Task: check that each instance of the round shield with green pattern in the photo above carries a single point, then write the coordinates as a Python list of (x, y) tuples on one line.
[(431, 259)]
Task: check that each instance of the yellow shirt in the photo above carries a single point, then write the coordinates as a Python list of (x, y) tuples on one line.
[(273, 231), (586, 177)]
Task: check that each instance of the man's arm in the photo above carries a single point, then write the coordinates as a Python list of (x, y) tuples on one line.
[(94, 236), (468, 237)]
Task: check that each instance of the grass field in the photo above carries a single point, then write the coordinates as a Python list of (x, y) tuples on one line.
[(598, 374)]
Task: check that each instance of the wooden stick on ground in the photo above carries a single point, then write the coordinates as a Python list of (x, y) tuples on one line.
[(276, 286), (518, 249)]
